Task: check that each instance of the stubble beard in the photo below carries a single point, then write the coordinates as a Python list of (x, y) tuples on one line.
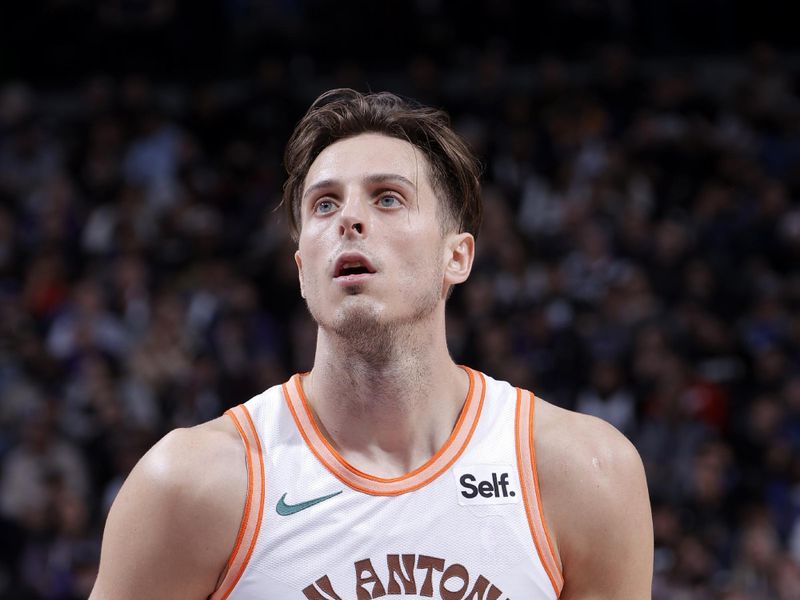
[(367, 333)]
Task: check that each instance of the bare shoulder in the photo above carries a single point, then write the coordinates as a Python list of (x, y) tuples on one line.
[(596, 502), (174, 523), (576, 449), (195, 456)]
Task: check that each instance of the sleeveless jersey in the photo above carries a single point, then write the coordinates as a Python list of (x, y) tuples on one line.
[(466, 525)]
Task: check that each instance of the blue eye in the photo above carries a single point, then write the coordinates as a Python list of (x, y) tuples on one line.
[(388, 201), (324, 206)]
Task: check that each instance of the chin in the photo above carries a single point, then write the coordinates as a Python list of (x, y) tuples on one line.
[(353, 311), (358, 313), (364, 328)]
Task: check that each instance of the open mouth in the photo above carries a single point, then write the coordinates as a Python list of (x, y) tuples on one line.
[(352, 266), (352, 269)]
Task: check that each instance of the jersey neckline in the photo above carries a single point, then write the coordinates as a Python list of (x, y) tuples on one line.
[(378, 486)]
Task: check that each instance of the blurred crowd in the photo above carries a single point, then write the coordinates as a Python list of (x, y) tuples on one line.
[(639, 261)]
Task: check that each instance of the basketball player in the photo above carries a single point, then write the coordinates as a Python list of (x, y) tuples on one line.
[(388, 470)]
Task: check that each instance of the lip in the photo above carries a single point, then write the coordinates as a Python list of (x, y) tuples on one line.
[(352, 279), (351, 257)]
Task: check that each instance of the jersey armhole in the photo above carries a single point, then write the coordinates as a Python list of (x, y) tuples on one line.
[(531, 496), (253, 505)]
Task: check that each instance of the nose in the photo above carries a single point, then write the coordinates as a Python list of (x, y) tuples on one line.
[(352, 218)]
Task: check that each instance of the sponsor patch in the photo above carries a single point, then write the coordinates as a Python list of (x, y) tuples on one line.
[(487, 484)]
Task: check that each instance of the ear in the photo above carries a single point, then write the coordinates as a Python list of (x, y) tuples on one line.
[(299, 262), (459, 254)]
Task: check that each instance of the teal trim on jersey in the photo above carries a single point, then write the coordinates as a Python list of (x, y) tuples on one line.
[(285, 510)]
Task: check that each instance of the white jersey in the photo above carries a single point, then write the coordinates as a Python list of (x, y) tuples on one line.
[(466, 525)]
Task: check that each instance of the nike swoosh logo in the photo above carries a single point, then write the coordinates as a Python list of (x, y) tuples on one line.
[(285, 510)]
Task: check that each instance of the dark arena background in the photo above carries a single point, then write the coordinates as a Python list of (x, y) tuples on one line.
[(639, 259)]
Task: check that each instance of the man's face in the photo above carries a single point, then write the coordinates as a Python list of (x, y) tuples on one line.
[(371, 251)]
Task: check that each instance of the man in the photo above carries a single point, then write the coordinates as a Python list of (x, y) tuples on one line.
[(387, 470)]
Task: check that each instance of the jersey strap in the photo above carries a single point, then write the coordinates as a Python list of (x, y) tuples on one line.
[(253, 506), (529, 479)]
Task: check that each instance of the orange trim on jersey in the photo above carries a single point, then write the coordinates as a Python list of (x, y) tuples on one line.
[(226, 579), (555, 559), (251, 519), (378, 486), (531, 496)]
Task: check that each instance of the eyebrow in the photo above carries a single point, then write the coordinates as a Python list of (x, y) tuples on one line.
[(373, 179)]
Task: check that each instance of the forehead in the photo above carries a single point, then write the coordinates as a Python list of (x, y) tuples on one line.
[(358, 157)]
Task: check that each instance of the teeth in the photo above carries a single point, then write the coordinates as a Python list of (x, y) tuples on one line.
[(351, 265)]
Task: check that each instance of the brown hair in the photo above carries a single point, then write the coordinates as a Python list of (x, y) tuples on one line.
[(343, 113)]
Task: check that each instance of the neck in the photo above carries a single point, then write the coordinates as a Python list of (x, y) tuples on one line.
[(386, 403)]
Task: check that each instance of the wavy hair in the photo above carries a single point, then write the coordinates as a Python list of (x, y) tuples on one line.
[(343, 113)]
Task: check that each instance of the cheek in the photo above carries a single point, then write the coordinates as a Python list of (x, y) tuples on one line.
[(307, 273), (310, 247), (424, 263)]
